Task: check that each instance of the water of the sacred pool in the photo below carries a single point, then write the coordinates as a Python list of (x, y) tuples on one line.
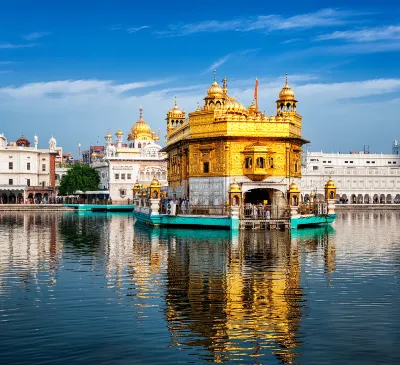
[(97, 288)]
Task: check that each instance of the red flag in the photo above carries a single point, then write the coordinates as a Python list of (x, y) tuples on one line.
[(256, 93)]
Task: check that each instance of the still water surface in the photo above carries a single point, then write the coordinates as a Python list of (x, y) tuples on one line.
[(96, 289)]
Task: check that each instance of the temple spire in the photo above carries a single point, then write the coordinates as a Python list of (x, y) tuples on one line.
[(215, 75), (141, 113)]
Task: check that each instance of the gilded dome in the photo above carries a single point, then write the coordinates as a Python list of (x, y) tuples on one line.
[(234, 187), (119, 132), (175, 110), (108, 135), (293, 188), (155, 183), (141, 127), (286, 93), (214, 90), (330, 184)]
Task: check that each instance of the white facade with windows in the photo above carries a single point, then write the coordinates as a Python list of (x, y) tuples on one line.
[(359, 177), (25, 171)]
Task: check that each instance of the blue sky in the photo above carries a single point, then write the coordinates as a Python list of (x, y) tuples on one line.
[(78, 69)]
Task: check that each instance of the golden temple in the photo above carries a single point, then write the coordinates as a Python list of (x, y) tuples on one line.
[(224, 142)]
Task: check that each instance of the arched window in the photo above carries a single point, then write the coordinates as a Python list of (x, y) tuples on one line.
[(332, 195), (139, 145), (248, 163), (261, 162)]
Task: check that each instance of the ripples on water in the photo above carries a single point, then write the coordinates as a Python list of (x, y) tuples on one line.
[(95, 289)]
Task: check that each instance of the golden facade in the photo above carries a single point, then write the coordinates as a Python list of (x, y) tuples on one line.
[(224, 140)]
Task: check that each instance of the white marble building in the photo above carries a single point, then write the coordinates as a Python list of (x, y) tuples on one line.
[(140, 161), (26, 172), (359, 177)]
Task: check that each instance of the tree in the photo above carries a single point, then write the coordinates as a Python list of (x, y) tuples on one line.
[(79, 177)]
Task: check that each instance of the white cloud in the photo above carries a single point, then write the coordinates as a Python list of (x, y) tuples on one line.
[(74, 87), (35, 35), (14, 46), (266, 23), (134, 30), (217, 63), (365, 35), (86, 109)]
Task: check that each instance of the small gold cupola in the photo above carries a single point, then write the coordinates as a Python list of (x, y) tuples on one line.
[(330, 189), (286, 102)]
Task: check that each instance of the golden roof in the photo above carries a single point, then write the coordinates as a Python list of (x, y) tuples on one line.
[(155, 183), (175, 110), (234, 187), (141, 127), (108, 135), (214, 90), (286, 93), (119, 132), (330, 184), (293, 188)]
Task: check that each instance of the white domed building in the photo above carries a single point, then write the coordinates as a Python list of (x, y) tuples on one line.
[(137, 160)]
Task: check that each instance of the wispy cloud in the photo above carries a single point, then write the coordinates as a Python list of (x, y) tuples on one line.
[(129, 30), (266, 23), (217, 63), (288, 41), (3, 63), (75, 87), (134, 30), (35, 35), (221, 61), (364, 35), (14, 46)]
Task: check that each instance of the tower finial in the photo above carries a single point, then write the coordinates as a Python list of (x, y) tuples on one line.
[(198, 105), (175, 101), (287, 83), (215, 75), (224, 85), (141, 112)]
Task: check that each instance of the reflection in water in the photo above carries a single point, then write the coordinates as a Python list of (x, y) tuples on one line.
[(214, 295)]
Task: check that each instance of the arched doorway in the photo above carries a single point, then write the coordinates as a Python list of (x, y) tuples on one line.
[(397, 199), (382, 199), (20, 198), (344, 199), (376, 199), (389, 199), (4, 199), (366, 199), (12, 199), (353, 199), (30, 198), (258, 196), (359, 199), (38, 198)]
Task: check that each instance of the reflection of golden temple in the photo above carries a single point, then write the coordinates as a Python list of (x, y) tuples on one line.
[(249, 310), (224, 140)]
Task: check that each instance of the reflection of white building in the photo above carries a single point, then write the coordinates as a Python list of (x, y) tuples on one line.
[(26, 172), (141, 160), (359, 177)]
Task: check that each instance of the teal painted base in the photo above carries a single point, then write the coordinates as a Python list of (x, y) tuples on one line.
[(101, 208), (222, 222), (311, 221)]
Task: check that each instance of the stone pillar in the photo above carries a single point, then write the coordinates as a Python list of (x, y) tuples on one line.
[(331, 206), (294, 211), (154, 206), (234, 215), (278, 205)]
